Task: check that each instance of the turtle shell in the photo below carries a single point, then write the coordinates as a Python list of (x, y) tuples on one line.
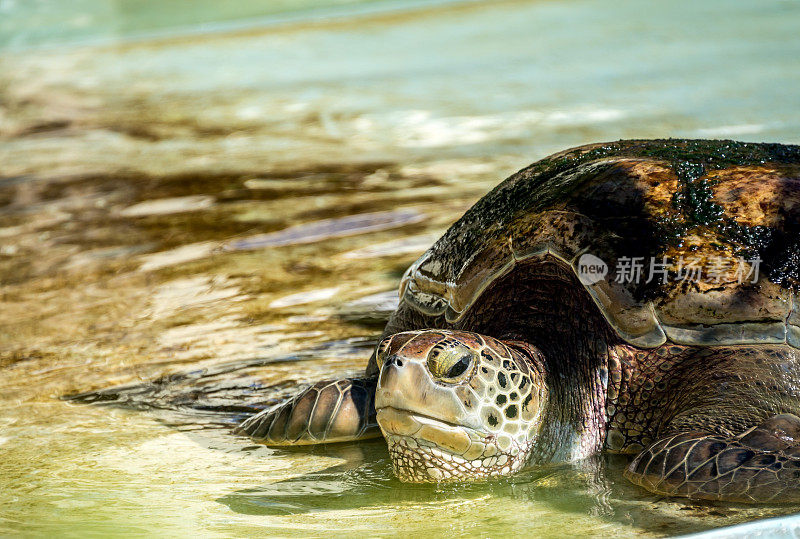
[(659, 208)]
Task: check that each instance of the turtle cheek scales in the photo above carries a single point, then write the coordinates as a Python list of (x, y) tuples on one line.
[(511, 411), (509, 407)]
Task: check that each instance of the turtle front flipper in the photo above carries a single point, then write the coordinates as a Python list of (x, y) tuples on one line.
[(760, 465), (329, 411)]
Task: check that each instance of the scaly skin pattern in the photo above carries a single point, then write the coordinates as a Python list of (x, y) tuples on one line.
[(714, 423), (761, 464), (722, 390), (328, 411)]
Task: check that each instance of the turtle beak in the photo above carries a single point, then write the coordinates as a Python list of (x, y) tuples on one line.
[(400, 378)]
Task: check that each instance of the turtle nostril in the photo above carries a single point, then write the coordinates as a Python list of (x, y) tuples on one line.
[(394, 360)]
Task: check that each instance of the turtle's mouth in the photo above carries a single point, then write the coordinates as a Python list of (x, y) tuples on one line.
[(425, 449), (450, 436)]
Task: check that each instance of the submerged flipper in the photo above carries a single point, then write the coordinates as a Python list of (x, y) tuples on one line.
[(760, 465), (330, 411)]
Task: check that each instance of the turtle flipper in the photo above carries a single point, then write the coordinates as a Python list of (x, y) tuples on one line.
[(329, 411), (760, 465)]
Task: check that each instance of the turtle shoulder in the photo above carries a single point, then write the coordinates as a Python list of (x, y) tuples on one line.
[(730, 206)]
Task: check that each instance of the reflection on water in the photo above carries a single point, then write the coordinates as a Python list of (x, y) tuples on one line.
[(328, 228), (197, 226)]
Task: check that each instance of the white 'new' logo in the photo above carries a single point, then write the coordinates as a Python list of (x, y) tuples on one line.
[(591, 269)]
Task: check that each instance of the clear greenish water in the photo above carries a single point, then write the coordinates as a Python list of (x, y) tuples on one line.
[(138, 178), (54, 23)]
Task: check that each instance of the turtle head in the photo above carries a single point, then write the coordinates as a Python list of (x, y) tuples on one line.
[(456, 406)]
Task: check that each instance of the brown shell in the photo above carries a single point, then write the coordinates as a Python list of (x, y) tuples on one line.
[(726, 205)]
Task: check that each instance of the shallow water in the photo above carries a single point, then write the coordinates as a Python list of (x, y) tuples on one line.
[(211, 220)]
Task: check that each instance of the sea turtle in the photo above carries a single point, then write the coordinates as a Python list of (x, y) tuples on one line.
[(636, 297)]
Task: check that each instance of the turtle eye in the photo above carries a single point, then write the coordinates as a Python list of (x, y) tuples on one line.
[(460, 366), (450, 363)]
